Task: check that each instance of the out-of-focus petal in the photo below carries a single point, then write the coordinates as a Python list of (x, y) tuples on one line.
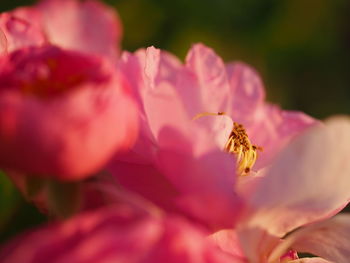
[(308, 181), (228, 241), (311, 260), (257, 243), (3, 42), (146, 180), (19, 32), (60, 121), (328, 239), (86, 26), (116, 234)]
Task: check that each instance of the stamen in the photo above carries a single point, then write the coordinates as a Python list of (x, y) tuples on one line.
[(238, 143), (203, 114)]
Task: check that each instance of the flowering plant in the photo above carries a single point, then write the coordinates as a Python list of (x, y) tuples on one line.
[(138, 157)]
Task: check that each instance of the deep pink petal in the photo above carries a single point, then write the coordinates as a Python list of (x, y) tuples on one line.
[(116, 234), (308, 181), (86, 26), (59, 121), (146, 180), (3, 42)]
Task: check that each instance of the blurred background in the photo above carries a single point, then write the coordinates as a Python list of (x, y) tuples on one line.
[(301, 49)]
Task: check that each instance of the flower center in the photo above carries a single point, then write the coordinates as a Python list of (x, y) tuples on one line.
[(238, 143)]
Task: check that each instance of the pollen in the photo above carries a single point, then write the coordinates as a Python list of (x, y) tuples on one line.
[(238, 143)]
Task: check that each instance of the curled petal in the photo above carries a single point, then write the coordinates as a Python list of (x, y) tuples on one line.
[(308, 181), (328, 239), (311, 260)]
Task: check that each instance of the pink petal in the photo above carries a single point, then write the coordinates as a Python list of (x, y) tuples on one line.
[(328, 239), (209, 82), (247, 91), (20, 32), (59, 121), (151, 73), (87, 26), (272, 129), (311, 260), (308, 181), (3, 42), (267, 125), (116, 234), (256, 243), (206, 185), (146, 180), (228, 241)]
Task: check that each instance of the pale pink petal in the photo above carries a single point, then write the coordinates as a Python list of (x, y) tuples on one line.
[(207, 80), (87, 26), (328, 239), (19, 32), (218, 128), (247, 91), (272, 129), (228, 241), (256, 243), (309, 181), (267, 125), (3, 42), (116, 234), (311, 260)]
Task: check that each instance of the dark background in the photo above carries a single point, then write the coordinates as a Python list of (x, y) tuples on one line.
[(301, 49)]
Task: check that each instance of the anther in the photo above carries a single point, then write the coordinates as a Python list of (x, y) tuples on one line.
[(239, 144)]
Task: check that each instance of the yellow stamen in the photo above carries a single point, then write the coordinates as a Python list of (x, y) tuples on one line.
[(238, 143)]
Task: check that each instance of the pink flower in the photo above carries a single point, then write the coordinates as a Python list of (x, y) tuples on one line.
[(85, 26), (180, 161), (116, 234), (294, 199), (62, 113)]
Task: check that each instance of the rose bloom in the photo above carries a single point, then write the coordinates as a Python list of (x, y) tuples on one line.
[(204, 124), (85, 26), (297, 191), (62, 113)]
